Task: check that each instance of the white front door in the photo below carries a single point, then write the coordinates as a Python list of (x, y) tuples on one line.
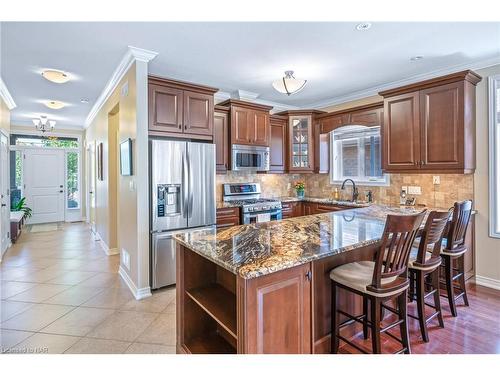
[(4, 193), (44, 184)]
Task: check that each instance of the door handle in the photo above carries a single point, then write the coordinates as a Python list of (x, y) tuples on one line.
[(309, 275), (185, 188), (60, 186), (61, 191), (4, 204)]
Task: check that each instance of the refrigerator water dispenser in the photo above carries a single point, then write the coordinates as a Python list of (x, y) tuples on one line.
[(169, 200)]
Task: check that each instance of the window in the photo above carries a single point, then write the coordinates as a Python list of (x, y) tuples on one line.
[(43, 141), (494, 159), (72, 181), (16, 177), (356, 154)]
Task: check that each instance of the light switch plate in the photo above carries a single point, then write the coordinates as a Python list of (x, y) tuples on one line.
[(436, 180), (414, 190)]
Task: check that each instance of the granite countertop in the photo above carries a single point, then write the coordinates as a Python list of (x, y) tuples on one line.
[(254, 250), (221, 204)]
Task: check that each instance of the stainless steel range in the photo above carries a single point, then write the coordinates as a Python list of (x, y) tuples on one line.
[(254, 209)]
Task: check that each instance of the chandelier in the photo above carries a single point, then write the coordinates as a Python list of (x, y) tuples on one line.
[(289, 84), (43, 124)]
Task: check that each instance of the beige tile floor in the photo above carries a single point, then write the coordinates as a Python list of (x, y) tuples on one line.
[(60, 293)]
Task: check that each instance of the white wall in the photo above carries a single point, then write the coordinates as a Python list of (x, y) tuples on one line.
[(487, 248)]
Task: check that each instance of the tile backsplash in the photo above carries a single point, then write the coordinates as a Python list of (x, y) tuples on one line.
[(452, 187)]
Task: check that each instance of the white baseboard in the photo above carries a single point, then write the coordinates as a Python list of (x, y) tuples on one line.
[(138, 293), (105, 247), (488, 282)]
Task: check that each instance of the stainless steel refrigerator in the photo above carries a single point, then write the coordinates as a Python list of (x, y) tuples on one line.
[(182, 197)]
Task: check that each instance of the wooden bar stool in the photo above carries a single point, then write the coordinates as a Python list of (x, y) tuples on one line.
[(377, 282), (425, 259), (453, 251)]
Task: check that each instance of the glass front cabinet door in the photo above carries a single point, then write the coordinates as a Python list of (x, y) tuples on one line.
[(301, 143)]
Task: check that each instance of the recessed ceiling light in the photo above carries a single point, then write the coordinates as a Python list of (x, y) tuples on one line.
[(54, 104), (84, 101), (416, 58), (363, 26), (56, 76)]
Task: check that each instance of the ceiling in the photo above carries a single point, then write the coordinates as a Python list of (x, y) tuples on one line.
[(335, 58)]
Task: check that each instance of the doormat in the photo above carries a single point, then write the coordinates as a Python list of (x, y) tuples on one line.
[(34, 228)]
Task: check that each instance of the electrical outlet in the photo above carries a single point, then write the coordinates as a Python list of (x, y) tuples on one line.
[(414, 190), (126, 258), (436, 180)]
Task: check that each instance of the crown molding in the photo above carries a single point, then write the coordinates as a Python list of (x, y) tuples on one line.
[(5, 95), (246, 95), (480, 64), (221, 96), (132, 55)]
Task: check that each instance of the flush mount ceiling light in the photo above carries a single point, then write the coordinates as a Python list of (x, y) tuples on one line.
[(289, 84), (363, 26), (43, 124), (56, 76), (54, 104), (416, 58), (84, 101)]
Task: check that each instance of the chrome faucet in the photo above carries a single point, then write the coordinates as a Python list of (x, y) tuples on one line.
[(354, 189)]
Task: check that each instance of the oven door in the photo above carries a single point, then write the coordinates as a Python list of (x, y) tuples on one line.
[(250, 158), (261, 217)]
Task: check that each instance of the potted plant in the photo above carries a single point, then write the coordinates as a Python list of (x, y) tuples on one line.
[(21, 206), (299, 188)]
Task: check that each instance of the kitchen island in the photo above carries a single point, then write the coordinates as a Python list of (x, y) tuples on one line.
[(265, 288)]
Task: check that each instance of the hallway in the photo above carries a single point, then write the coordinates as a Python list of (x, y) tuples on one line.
[(60, 293)]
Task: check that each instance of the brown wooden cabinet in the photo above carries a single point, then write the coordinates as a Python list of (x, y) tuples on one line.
[(249, 123), (221, 139), (300, 140), (278, 312), (401, 133), (291, 209), (165, 109), (180, 109), (429, 126), (278, 144), (227, 217)]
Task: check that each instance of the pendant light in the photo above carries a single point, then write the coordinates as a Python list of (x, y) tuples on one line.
[(289, 84), (43, 124)]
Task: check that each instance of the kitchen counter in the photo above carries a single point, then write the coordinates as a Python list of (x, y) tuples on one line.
[(248, 287), (254, 250), (222, 204), (324, 201)]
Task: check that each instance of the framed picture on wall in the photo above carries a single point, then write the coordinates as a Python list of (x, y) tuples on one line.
[(100, 175), (126, 158)]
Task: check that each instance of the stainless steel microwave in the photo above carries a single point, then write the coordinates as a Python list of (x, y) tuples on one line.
[(250, 158)]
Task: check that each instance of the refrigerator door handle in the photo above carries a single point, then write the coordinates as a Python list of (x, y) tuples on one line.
[(185, 184), (155, 262), (190, 203)]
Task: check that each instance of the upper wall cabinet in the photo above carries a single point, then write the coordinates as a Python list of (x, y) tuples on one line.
[(221, 139), (180, 109), (429, 126), (249, 123), (300, 140), (278, 144)]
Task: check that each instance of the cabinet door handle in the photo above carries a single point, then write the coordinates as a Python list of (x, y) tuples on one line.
[(309, 275)]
